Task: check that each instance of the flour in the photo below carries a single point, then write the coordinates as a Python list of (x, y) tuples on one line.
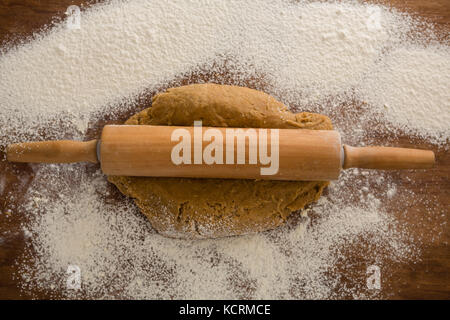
[(313, 56), (81, 229), (316, 50), (411, 89)]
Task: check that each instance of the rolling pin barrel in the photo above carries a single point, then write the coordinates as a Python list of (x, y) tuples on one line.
[(279, 154)]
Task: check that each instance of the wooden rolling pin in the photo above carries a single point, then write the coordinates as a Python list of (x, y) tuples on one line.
[(202, 152)]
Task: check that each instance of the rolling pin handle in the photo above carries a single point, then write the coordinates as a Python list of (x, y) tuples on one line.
[(63, 151), (387, 158)]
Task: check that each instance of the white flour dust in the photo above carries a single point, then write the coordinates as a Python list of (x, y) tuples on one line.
[(412, 88), (313, 55), (81, 228)]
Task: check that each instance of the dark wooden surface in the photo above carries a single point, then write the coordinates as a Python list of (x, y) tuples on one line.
[(427, 279)]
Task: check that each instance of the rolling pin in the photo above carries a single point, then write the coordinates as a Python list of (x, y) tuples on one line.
[(206, 152)]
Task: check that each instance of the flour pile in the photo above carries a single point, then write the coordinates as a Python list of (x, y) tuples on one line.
[(312, 56), (308, 53)]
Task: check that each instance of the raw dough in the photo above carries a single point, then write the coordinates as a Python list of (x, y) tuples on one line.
[(210, 208)]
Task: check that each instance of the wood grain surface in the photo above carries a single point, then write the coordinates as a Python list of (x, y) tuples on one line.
[(427, 278)]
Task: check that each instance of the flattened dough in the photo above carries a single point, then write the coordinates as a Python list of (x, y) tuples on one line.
[(211, 208)]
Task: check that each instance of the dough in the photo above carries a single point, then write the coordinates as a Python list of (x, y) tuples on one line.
[(210, 208)]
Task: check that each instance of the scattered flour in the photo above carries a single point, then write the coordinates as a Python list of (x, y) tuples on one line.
[(308, 52), (81, 228), (411, 87), (313, 56)]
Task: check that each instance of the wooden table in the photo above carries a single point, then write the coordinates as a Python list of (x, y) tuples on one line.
[(426, 279)]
